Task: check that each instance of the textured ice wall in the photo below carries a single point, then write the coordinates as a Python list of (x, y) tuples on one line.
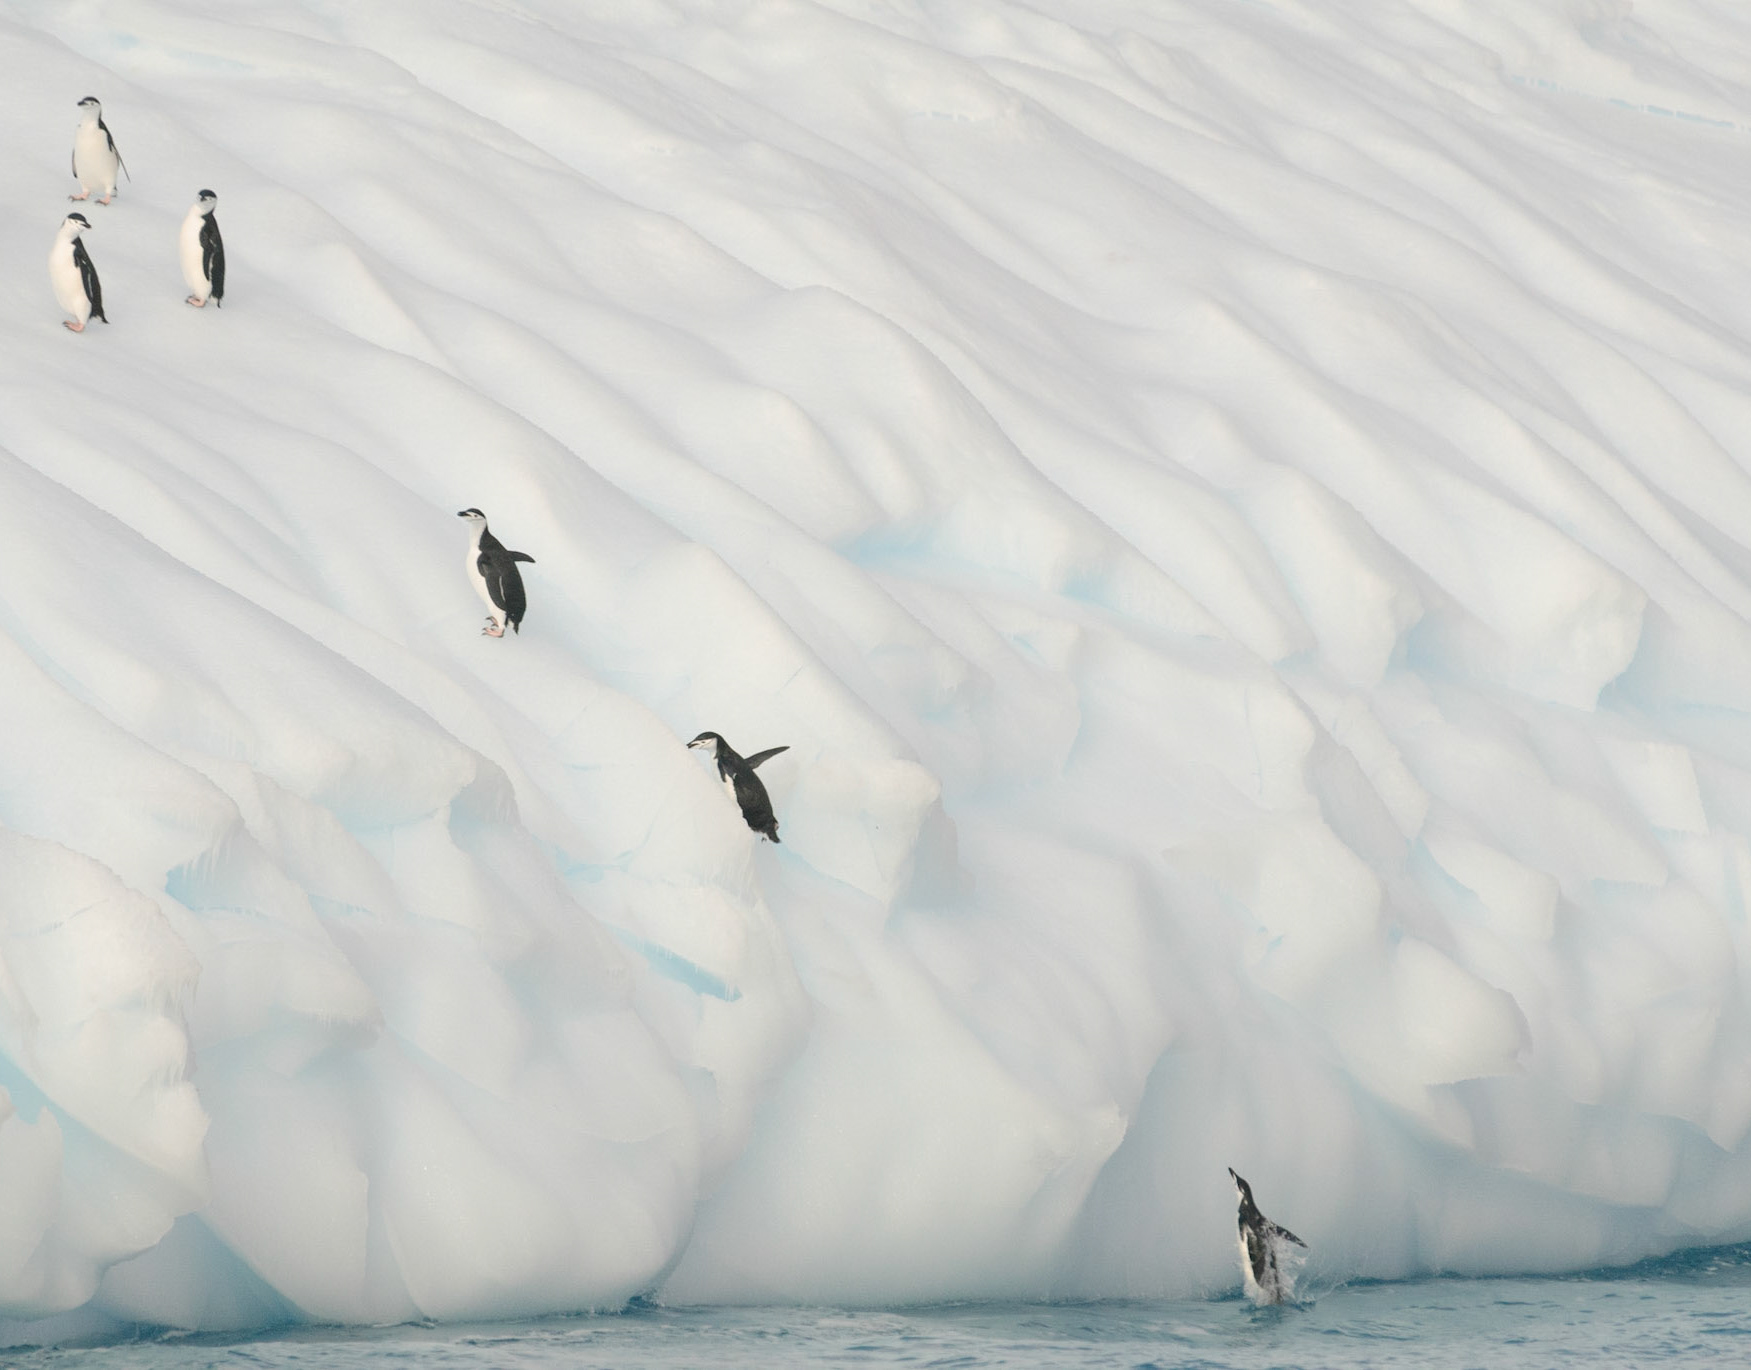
[(1238, 510)]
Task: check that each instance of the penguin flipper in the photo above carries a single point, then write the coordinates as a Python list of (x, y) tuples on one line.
[(505, 587), (495, 581), (766, 755), (213, 259), (112, 147), (88, 278), (521, 556), (1279, 1231)]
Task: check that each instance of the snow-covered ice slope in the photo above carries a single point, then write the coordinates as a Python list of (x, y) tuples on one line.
[(1240, 511)]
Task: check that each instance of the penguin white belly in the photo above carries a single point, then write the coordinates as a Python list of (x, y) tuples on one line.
[(192, 269), (1253, 1291), (93, 162), (730, 789), (67, 283), (479, 582)]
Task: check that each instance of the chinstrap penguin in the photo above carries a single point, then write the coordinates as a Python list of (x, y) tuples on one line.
[(493, 569), (95, 159), (1262, 1244), (203, 252), (737, 774), (72, 275)]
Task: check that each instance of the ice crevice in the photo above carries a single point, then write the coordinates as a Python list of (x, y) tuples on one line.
[(1237, 513)]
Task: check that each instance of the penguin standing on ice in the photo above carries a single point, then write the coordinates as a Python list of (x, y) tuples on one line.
[(1262, 1243), (95, 159), (203, 252), (72, 275), (737, 774), (493, 569)]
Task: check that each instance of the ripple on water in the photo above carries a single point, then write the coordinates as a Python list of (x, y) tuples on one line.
[(1689, 1311)]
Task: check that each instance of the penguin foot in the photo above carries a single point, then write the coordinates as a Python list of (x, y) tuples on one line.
[(492, 630), (72, 327), (106, 199), (82, 195), (197, 301)]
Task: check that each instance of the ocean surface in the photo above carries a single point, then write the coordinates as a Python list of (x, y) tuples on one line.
[(1691, 1309)]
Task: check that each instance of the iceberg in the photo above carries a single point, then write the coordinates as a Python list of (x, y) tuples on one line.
[(1238, 512)]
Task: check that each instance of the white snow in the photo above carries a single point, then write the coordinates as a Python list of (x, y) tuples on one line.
[(1238, 509)]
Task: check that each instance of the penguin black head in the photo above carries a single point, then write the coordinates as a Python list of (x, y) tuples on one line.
[(1241, 1187), (80, 219), (711, 741), (90, 102), (471, 514), (206, 200)]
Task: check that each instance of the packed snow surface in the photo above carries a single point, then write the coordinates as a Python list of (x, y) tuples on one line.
[(1239, 510)]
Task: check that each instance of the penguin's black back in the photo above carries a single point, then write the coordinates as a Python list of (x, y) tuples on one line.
[(504, 582), (751, 796)]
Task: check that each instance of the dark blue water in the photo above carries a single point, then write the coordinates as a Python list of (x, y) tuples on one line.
[(1689, 1310)]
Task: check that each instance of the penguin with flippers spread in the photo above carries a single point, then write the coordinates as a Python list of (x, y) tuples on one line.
[(493, 568), (1262, 1245), (737, 774)]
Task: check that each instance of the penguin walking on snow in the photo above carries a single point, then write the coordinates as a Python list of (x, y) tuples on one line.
[(493, 569), (72, 275), (203, 252), (737, 774), (95, 159), (1262, 1246)]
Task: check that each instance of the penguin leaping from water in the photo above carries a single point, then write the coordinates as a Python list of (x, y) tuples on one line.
[(1262, 1247), (203, 252), (737, 774), (493, 569), (95, 159), (72, 275)]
